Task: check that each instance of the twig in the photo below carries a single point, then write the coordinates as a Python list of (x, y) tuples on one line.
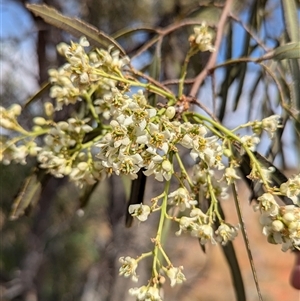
[(248, 30), (170, 82), (165, 31), (150, 79), (211, 62)]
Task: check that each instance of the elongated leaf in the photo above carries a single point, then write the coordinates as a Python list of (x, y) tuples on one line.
[(276, 178), (291, 19), (28, 194), (246, 240), (231, 73), (74, 26), (44, 88), (85, 194), (287, 51), (233, 265), (124, 32), (136, 195), (253, 90)]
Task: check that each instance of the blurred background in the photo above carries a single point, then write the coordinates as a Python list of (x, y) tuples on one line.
[(66, 249)]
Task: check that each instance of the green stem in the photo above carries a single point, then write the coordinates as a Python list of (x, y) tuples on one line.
[(27, 135), (184, 71), (144, 255), (183, 170), (162, 218), (91, 107), (233, 136), (148, 86), (213, 208)]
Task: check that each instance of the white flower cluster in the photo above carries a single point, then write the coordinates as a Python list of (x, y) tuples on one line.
[(181, 198), (269, 124), (202, 38), (74, 78), (281, 224), (8, 117), (151, 291), (10, 150), (200, 225), (60, 156), (128, 267), (146, 293), (124, 134), (291, 189)]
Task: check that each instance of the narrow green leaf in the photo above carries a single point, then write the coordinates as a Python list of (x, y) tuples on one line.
[(85, 194), (276, 178), (124, 32), (233, 265), (28, 194), (154, 71), (291, 19), (44, 88), (231, 73), (246, 240), (241, 80), (136, 195), (287, 51), (253, 90), (74, 26)]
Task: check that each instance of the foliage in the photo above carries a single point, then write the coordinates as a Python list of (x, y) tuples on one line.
[(128, 122)]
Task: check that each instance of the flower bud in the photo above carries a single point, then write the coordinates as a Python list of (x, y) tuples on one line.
[(48, 107), (170, 112), (227, 152), (16, 109), (167, 166), (277, 226), (36, 128), (82, 166), (288, 217), (39, 120), (293, 226)]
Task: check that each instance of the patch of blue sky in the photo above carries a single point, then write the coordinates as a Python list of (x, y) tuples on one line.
[(15, 22), (17, 30)]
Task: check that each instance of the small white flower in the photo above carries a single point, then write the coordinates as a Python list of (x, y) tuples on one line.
[(225, 233), (128, 268), (181, 198), (268, 204), (292, 189), (249, 141), (271, 124), (176, 276), (140, 211), (185, 224), (205, 233), (202, 38), (199, 214), (139, 292), (231, 175), (145, 293), (160, 167), (84, 42)]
